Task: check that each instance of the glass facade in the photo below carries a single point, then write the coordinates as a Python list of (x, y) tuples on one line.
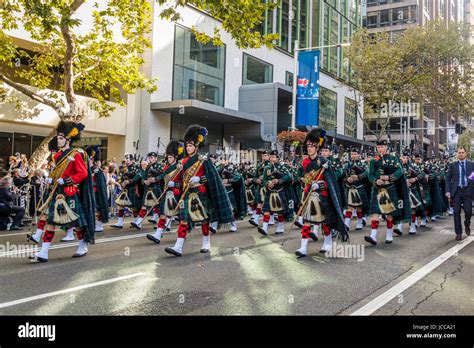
[(350, 118), (327, 109), (198, 69), (338, 20), (392, 16), (256, 71)]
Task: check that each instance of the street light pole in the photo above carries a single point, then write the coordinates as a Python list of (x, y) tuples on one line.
[(295, 82)]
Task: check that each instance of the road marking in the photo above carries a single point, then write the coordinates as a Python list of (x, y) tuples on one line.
[(390, 294), (65, 291)]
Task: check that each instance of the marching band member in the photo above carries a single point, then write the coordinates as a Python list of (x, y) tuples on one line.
[(171, 177), (71, 202), (204, 195), (321, 200), (386, 176)]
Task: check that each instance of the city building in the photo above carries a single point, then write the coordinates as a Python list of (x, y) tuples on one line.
[(243, 96), (393, 17)]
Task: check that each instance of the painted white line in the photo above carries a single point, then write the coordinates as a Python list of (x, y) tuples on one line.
[(65, 291), (390, 294), (13, 234)]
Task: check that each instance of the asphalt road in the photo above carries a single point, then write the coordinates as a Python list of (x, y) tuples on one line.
[(244, 274)]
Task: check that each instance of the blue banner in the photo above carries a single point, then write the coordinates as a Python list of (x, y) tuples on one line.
[(307, 89)]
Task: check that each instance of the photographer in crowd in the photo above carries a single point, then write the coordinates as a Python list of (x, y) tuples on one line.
[(7, 205)]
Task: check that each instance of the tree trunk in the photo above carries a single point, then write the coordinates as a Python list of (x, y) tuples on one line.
[(41, 152)]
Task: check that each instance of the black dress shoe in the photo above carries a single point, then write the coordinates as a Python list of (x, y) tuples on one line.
[(363, 222), (79, 255), (15, 228), (212, 229), (30, 237), (37, 259), (458, 237), (369, 239), (204, 251), (299, 254), (153, 239), (253, 223), (133, 224), (397, 232), (468, 230), (388, 241), (152, 221), (262, 231), (322, 251), (172, 252), (116, 226), (298, 224), (313, 236)]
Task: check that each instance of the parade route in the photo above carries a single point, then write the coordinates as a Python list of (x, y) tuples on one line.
[(245, 273)]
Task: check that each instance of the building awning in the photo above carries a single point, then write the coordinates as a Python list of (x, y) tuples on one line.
[(245, 125)]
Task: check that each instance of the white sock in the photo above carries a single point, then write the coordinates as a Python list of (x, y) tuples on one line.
[(44, 250), (373, 234), (119, 222), (38, 234), (389, 234)]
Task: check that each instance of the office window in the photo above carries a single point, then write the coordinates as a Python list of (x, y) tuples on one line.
[(350, 118), (384, 18), (327, 109), (256, 71), (372, 21), (289, 78), (198, 69)]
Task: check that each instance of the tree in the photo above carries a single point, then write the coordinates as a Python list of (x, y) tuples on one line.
[(95, 62), (430, 64)]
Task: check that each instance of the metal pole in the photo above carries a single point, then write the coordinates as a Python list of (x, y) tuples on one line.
[(295, 82), (401, 128)]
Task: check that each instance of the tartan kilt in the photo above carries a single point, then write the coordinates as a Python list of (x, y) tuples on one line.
[(392, 192), (284, 201), (156, 191), (363, 196), (233, 201), (74, 204), (426, 195), (415, 192), (134, 198), (327, 206), (256, 193), (161, 204), (183, 208)]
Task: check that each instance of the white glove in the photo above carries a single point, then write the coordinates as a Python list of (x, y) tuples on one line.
[(195, 180), (49, 180), (314, 186), (61, 181), (325, 165), (171, 184)]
